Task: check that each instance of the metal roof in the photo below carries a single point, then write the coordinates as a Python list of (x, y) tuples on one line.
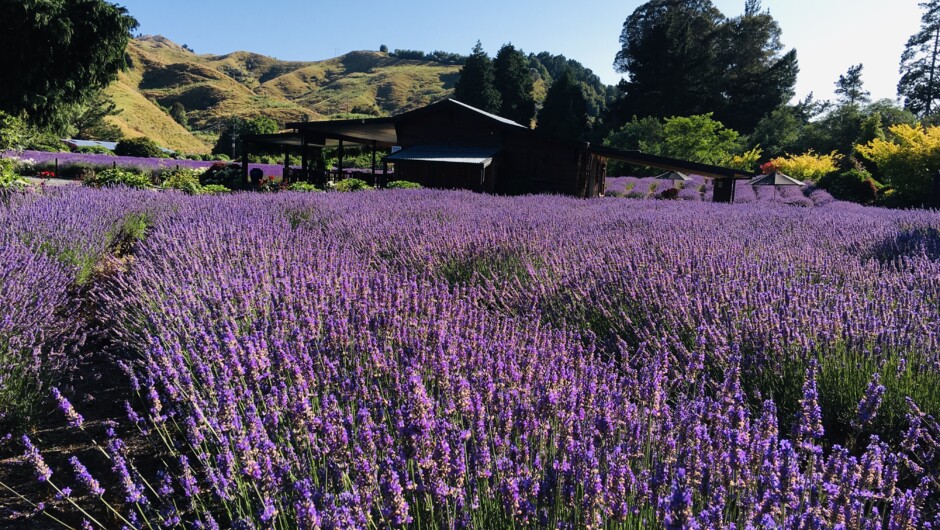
[(776, 179), (90, 143), (445, 154)]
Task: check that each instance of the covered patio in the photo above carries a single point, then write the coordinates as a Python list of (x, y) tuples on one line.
[(309, 139)]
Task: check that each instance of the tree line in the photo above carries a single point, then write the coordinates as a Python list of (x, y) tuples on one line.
[(710, 88)]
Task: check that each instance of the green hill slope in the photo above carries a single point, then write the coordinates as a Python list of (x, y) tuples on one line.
[(215, 88)]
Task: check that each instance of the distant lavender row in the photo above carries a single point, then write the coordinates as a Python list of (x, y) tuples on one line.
[(42, 157), (700, 188)]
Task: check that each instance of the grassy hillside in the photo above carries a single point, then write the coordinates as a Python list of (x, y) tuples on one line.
[(215, 88)]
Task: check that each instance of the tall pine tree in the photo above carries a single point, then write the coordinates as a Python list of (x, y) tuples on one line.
[(920, 78), (564, 112), (514, 83), (851, 89), (476, 84)]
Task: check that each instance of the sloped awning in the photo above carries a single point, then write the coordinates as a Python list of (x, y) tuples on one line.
[(776, 179), (478, 156)]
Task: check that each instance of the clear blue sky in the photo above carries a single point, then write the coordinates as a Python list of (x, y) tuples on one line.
[(829, 35)]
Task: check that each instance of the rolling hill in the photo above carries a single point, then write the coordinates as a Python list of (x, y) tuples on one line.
[(215, 88)]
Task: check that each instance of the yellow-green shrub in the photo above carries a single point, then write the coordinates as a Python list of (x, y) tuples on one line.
[(908, 159), (807, 166), (746, 161)]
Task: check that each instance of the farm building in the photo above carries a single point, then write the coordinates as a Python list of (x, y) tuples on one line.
[(449, 144)]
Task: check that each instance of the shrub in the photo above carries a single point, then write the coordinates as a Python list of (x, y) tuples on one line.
[(403, 185), (669, 193), (142, 147), (351, 185), (909, 160), (853, 185), (303, 187), (14, 133), (269, 183), (94, 150), (228, 175), (185, 180), (9, 179), (116, 177), (807, 166), (45, 141), (215, 189), (746, 161)]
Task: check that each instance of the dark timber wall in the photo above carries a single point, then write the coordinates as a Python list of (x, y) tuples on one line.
[(527, 162)]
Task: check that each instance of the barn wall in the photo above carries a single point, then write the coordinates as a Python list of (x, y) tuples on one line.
[(449, 127), (535, 165), (444, 176), (527, 163)]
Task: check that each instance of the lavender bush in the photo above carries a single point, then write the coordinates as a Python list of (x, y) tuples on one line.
[(430, 359)]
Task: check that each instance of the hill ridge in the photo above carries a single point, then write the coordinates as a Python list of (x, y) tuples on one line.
[(216, 88)]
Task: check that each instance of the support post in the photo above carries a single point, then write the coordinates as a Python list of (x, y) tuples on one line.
[(245, 181), (341, 152), (286, 173), (375, 181), (724, 190), (304, 169)]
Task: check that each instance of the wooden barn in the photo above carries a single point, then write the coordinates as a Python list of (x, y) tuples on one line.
[(449, 144)]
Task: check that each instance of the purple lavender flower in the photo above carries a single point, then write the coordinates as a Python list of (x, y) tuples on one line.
[(43, 472), (74, 418), (809, 428), (871, 401), (85, 478)]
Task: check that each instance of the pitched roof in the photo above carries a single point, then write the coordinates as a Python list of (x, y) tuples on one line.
[(487, 114)]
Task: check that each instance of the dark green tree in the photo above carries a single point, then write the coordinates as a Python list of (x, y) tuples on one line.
[(778, 133), (513, 80), (683, 58), (919, 86), (753, 75), (668, 54), (551, 67), (851, 89), (564, 112), (89, 121), (476, 84), (178, 113), (58, 53)]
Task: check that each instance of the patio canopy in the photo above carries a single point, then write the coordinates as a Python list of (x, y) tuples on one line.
[(674, 176), (776, 179)]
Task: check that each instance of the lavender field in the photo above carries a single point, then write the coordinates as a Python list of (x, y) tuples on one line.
[(430, 359)]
